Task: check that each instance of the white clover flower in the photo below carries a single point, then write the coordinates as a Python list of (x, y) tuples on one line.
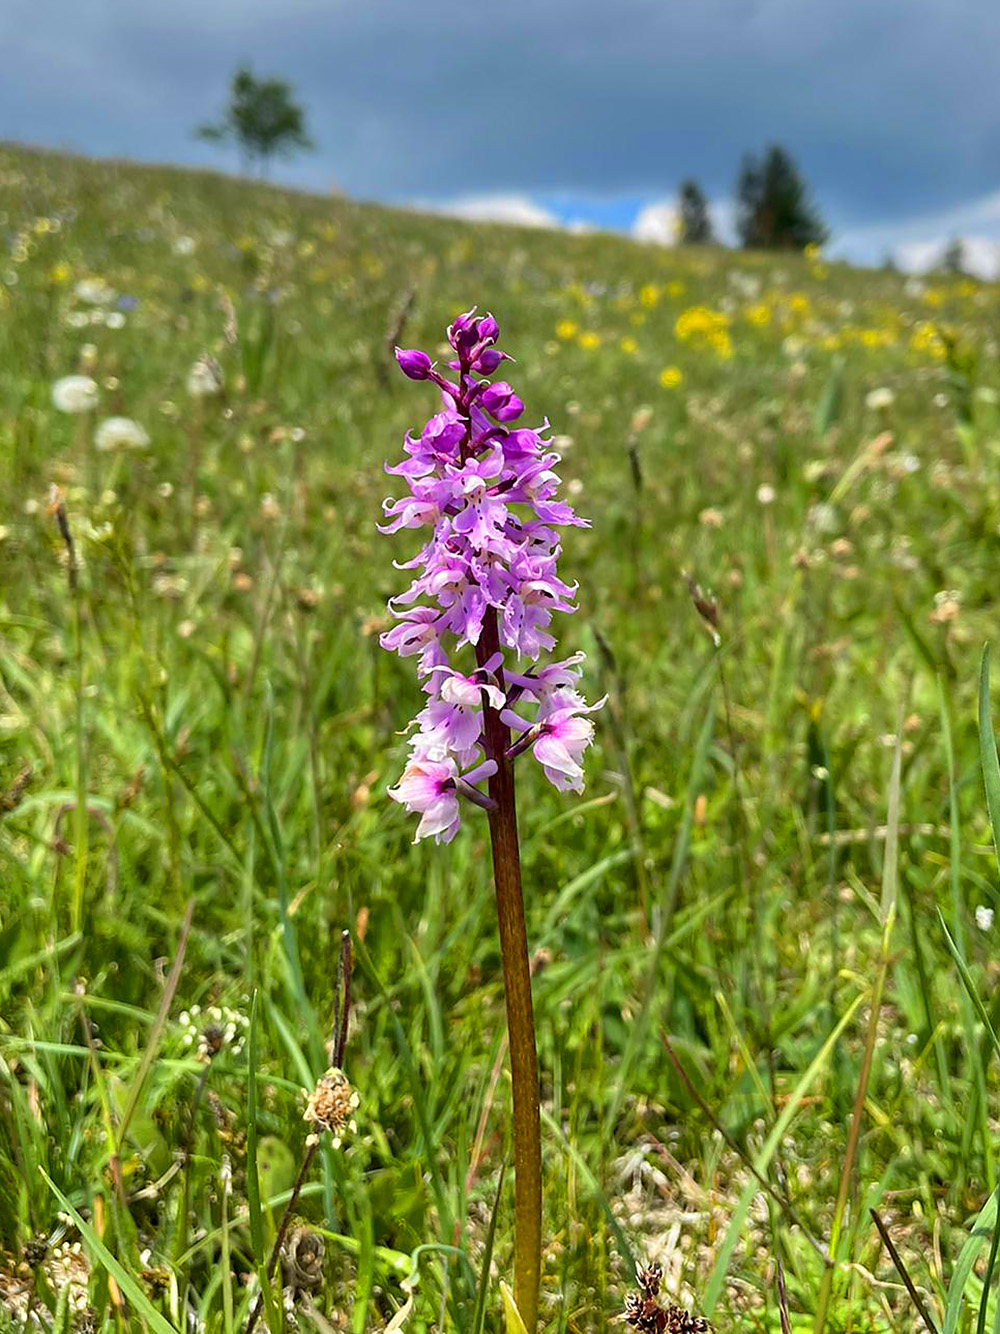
[(75, 393), (766, 494), (878, 400), (204, 379), (984, 917), (115, 320), (94, 291), (120, 433), (184, 245)]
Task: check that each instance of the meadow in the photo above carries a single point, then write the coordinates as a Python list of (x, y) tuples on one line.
[(764, 948)]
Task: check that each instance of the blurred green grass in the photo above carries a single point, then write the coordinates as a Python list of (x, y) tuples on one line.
[(719, 881)]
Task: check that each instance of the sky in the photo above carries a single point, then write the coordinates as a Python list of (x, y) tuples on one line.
[(553, 112)]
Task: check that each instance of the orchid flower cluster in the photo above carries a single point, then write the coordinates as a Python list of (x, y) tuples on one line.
[(486, 578)]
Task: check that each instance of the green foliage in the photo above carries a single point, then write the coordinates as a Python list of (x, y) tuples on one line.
[(774, 212), (234, 727), (262, 119)]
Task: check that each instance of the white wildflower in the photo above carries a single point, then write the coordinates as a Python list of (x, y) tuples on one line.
[(120, 433), (75, 393), (878, 400), (94, 291)]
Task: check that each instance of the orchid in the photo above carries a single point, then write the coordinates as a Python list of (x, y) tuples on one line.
[(489, 496), (486, 579)]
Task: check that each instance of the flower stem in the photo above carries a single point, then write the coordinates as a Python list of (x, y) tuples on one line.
[(517, 991)]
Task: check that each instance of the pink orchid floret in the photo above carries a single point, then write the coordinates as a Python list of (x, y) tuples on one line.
[(560, 739)]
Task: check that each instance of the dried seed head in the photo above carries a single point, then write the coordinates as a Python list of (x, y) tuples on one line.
[(633, 1308), (649, 1278), (304, 1254), (35, 1250), (157, 1280), (331, 1105), (680, 1321), (644, 1314), (11, 799), (86, 1321), (707, 608)]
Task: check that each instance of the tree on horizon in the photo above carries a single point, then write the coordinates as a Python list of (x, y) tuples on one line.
[(694, 219), (773, 207), (262, 119), (953, 257)]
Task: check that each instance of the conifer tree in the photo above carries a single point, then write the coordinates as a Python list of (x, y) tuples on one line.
[(695, 223), (774, 211)]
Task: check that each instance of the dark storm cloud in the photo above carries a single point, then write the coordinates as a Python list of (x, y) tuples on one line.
[(891, 105)]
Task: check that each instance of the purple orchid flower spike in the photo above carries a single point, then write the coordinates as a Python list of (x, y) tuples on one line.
[(489, 497), (486, 580)]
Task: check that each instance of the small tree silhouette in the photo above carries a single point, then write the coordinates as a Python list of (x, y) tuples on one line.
[(953, 257), (261, 119), (694, 218), (773, 205)]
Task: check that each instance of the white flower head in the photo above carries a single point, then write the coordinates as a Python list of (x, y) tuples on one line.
[(94, 291), (184, 245), (116, 433), (984, 917), (879, 400), (75, 393)]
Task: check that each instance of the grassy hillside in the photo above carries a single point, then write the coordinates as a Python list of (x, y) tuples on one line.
[(817, 446)]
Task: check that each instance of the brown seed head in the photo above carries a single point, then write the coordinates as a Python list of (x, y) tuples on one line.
[(331, 1104)]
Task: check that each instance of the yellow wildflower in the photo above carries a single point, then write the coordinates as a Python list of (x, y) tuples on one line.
[(566, 329), (671, 377)]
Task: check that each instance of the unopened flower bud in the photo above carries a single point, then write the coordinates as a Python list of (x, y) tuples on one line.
[(488, 330), (414, 364), (500, 401), (488, 360), (464, 332)]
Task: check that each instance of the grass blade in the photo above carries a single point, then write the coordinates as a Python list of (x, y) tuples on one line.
[(252, 1177), (479, 1317), (981, 1229), (713, 1288), (988, 751)]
